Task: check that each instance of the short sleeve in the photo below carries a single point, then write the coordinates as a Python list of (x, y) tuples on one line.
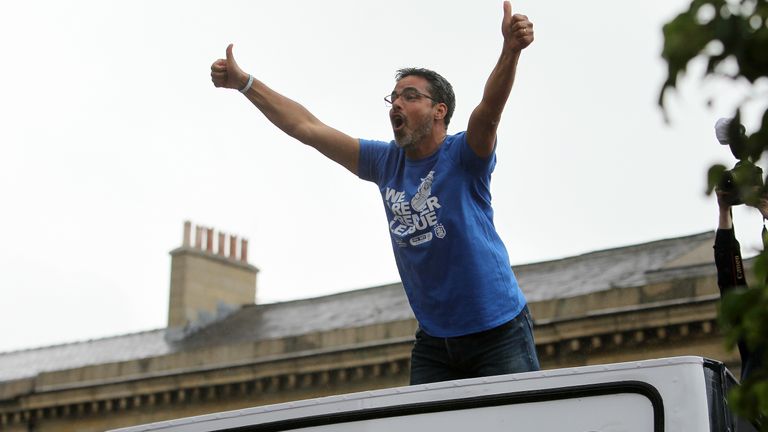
[(372, 160), (470, 161)]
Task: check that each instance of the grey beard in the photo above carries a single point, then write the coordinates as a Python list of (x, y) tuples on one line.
[(409, 140)]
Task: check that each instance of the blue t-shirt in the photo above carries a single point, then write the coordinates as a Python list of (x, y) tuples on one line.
[(453, 265)]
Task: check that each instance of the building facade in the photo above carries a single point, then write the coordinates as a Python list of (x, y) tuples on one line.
[(222, 352)]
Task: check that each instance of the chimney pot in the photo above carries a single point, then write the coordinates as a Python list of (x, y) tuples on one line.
[(187, 233), (232, 247), (209, 240), (222, 239), (244, 250), (198, 237)]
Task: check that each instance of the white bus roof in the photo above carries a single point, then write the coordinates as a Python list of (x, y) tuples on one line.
[(669, 390)]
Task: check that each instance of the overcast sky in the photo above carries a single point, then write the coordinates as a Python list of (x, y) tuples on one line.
[(112, 135)]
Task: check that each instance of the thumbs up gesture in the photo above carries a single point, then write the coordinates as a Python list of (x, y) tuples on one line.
[(516, 29), (226, 73)]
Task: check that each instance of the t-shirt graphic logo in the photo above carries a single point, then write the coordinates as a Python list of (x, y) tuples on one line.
[(419, 200), (439, 230), (422, 238), (415, 215)]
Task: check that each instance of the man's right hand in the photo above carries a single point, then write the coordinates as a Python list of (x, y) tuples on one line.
[(226, 73)]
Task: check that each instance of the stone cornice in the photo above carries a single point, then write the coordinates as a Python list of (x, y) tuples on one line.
[(229, 365), (280, 382)]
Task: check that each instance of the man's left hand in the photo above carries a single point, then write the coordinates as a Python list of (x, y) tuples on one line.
[(516, 29)]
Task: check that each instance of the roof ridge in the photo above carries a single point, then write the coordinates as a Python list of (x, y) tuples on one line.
[(703, 235), (326, 296), (82, 341)]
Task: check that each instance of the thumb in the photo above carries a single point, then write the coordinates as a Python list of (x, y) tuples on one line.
[(230, 56), (507, 10)]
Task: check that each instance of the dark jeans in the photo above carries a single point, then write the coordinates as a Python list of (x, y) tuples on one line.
[(508, 348)]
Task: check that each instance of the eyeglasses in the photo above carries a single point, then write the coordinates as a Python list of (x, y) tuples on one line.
[(409, 95)]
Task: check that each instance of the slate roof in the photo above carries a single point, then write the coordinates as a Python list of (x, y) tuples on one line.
[(611, 268), (350, 309), (28, 363), (572, 276)]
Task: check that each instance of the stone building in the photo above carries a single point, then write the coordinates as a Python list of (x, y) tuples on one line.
[(222, 352)]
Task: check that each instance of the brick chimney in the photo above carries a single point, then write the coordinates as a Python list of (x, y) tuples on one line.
[(204, 281)]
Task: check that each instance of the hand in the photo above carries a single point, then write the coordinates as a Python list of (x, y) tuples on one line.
[(724, 199), (516, 29), (725, 220), (226, 73)]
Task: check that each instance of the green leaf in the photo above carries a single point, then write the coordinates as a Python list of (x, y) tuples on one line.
[(714, 175), (684, 39)]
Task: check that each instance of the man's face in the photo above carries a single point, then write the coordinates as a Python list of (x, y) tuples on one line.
[(412, 112)]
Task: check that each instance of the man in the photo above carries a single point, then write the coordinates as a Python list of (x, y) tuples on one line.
[(731, 276), (730, 269), (473, 318)]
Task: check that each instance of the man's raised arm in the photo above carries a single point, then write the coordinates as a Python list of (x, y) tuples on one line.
[(481, 131), (288, 115)]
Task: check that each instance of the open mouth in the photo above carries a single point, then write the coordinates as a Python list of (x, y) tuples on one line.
[(398, 121)]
